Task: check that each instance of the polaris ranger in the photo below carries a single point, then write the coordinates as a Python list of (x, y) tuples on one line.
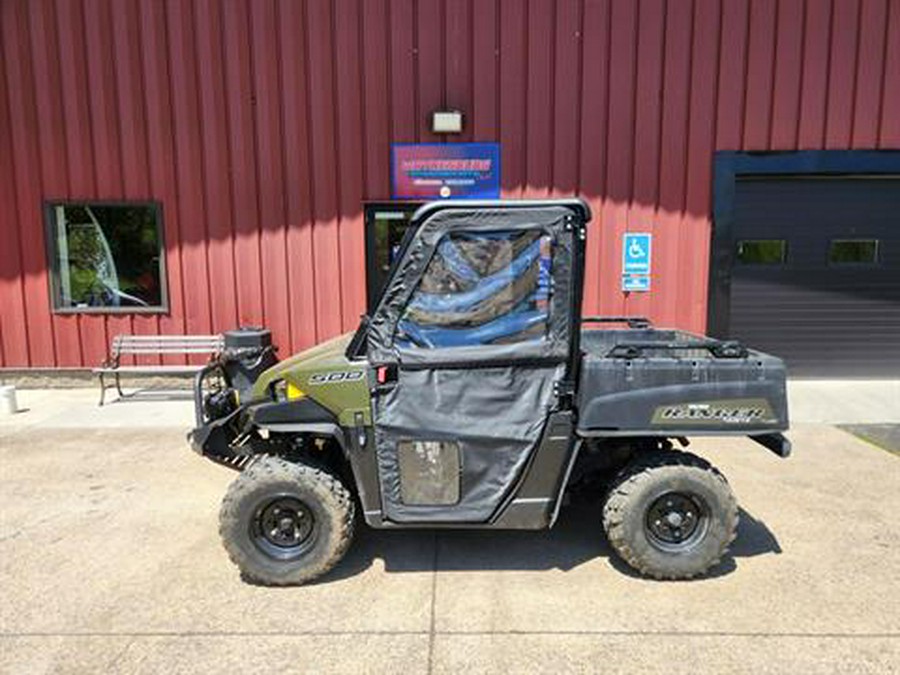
[(478, 396)]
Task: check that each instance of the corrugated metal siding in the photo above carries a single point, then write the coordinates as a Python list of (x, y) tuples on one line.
[(262, 125)]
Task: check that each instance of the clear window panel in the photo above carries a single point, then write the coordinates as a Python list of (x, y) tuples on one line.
[(107, 257), (480, 289), (429, 472), (762, 251), (853, 251)]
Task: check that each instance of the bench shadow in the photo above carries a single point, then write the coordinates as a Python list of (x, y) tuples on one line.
[(576, 539), (147, 394)]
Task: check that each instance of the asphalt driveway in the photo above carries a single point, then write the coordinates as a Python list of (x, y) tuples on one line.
[(110, 562)]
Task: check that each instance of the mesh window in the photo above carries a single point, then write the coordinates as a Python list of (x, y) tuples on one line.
[(480, 289), (429, 472)]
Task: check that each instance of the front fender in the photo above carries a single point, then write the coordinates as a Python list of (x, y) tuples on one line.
[(301, 416), (299, 411), (213, 439)]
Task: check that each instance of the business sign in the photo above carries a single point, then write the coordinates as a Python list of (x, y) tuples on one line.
[(636, 261), (445, 170)]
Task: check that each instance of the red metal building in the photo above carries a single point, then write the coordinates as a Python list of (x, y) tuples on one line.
[(262, 127)]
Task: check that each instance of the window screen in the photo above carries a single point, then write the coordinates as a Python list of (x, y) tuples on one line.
[(106, 257), (479, 289), (853, 251), (762, 251)]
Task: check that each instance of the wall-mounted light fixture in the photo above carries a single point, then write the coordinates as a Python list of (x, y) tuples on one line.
[(447, 122)]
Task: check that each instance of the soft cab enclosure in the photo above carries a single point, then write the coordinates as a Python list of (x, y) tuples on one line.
[(476, 322)]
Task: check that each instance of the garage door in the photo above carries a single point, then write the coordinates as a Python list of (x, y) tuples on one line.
[(816, 275)]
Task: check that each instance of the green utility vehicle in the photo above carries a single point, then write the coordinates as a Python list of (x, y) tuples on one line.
[(478, 396)]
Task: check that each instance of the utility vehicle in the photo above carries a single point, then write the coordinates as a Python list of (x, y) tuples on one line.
[(478, 396)]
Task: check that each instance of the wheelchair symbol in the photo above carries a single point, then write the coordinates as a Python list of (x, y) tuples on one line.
[(636, 253)]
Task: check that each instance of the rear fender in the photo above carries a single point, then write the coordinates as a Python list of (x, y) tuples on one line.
[(777, 443)]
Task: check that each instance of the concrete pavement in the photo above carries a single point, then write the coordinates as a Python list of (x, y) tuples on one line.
[(110, 562), (78, 409), (844, 401)]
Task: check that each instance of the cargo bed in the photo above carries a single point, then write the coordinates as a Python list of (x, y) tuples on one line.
[(649, 381)]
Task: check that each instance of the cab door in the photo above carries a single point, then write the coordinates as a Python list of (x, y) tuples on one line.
[(468, 342)]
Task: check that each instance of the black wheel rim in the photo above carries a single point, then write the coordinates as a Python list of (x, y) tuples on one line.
[(284, 528), (677, 521)]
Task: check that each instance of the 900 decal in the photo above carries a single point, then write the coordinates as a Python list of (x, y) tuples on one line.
[(736, 411), (337, 376)]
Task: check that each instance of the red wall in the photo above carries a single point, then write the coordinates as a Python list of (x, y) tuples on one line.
[(262, 125)]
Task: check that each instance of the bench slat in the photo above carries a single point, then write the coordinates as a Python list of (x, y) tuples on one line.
[(130, 345), (151, 336), (149, 369), (149, 345), (157, 341), (166, 350), (167, 338), (169, 343)]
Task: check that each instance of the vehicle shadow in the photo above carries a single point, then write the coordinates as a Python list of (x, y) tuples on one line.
[(576, 539)]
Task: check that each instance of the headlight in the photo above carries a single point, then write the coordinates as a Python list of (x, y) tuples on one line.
[(282, 390)]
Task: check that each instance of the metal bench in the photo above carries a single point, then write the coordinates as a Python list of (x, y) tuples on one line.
[(132, 345)]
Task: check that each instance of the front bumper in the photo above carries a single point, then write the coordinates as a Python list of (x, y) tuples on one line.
[(199, 412), (213, 438)]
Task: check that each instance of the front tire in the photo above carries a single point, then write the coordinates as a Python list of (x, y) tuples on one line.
[(670, 515), (284, 523)]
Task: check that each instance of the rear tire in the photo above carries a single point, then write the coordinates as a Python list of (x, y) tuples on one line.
[(284, 523), (670, 515)]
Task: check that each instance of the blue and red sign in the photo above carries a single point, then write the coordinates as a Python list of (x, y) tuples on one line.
[(445, 170)]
